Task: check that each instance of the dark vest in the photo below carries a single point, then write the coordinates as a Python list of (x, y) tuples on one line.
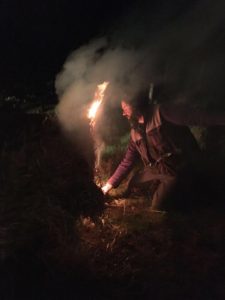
[(164, 139)]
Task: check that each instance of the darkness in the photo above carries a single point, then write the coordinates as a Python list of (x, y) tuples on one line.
[(46, 184), (36, 37)]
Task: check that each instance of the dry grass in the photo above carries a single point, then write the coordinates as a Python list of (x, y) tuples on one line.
[(138, 254), (59, 241)]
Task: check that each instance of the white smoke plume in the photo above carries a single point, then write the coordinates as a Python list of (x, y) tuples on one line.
[(91, 65), (182, 52)]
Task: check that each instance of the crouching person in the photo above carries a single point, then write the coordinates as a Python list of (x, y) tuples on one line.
[(161, 137)]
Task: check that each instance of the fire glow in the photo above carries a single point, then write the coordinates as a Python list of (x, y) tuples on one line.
[(99, 95), (97, 140)]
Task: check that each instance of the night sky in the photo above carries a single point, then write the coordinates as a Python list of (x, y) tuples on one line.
[(37, 37)]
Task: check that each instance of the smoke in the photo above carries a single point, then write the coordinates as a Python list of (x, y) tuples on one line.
[(89, 66), (97, 62), (178, 46)]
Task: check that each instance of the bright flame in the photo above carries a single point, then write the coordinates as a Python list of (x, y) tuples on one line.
[(99, 95), (93, 109)]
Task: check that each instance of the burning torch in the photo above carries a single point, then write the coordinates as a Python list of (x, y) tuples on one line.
[(92, 114)]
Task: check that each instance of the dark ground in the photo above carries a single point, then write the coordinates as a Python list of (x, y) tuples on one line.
[(59, 240)]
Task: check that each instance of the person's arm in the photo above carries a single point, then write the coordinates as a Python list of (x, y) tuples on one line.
[(190, 116), (123, 168)]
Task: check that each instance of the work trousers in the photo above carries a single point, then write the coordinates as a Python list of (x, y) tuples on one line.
[(165, 180)]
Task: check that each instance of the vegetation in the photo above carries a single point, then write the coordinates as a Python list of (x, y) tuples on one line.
[(60, 239)]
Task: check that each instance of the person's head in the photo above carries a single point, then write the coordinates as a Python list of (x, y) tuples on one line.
[(135, 107), (127, 109)]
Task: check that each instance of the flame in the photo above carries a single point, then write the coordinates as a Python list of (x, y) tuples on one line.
[(99, 95)]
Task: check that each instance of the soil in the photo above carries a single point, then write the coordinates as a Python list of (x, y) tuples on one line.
[(61, 239), (135, 253)]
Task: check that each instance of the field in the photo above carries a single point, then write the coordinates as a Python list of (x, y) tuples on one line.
[(61, 239)]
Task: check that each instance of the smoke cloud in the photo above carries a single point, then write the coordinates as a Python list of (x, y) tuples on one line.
[(178, 46)]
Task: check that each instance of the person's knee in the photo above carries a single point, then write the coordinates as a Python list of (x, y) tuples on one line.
[(164, 193)]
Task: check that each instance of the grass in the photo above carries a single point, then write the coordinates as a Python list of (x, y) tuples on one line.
[(59, 239), (138, 254)]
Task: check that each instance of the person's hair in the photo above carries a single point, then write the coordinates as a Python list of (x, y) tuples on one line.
[(140, 106), (139, 102)]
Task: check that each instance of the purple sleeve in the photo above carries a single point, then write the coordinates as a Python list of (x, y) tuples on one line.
[(125, 165), (190, 116)]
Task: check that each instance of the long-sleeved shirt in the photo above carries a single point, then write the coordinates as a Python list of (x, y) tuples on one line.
[(166, 133)]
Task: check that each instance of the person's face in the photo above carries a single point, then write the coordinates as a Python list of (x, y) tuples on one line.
[(127, 109)]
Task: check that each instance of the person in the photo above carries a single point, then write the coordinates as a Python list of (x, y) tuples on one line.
[(161, 137)]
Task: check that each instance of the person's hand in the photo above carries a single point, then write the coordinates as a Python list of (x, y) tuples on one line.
[(106, 188)]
